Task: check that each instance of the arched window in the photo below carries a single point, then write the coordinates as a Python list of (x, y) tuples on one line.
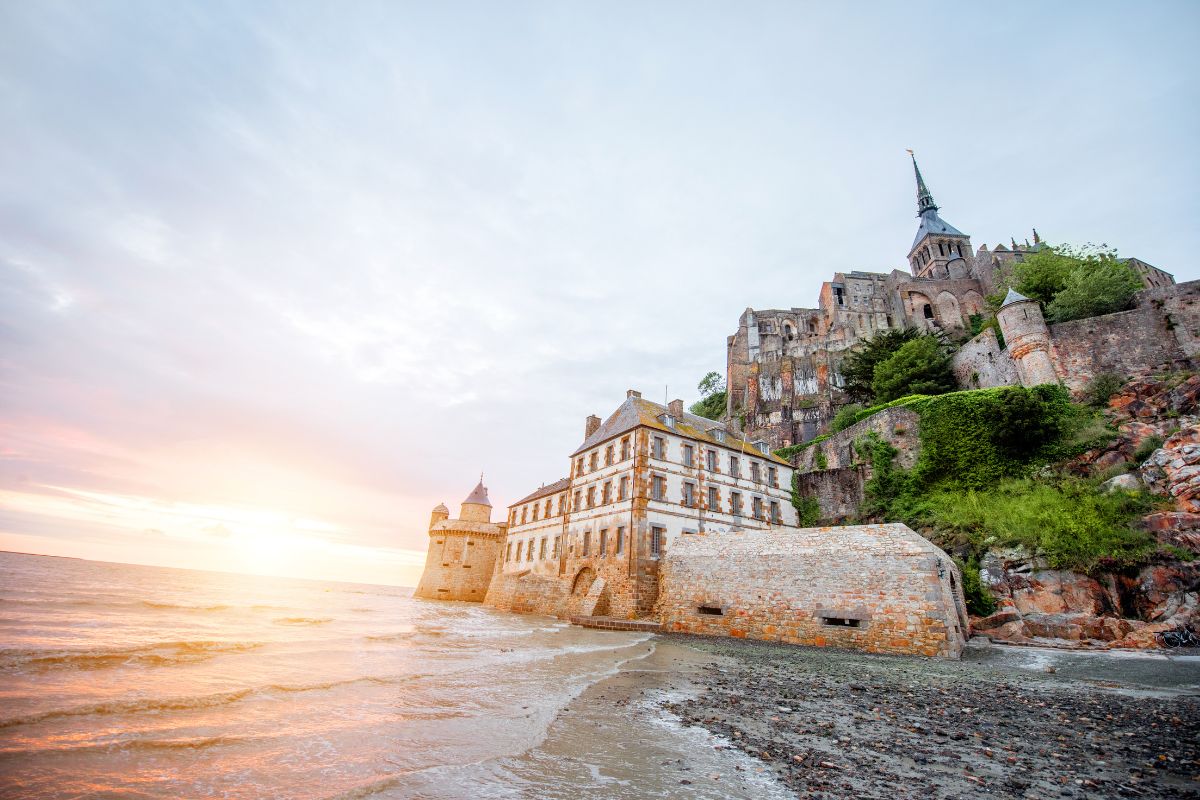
[(928, 311)]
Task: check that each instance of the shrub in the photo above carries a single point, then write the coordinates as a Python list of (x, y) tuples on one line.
[(1094, 289), (858, 368), (980, 600), (921, 366), (846, 417), (1102, 387), (1146, 448), (808, 510)]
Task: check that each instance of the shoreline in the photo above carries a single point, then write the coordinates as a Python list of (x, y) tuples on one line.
[(1014, 723)]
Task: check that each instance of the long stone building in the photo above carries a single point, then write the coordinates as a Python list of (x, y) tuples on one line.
[(783, 365), (591, 543)]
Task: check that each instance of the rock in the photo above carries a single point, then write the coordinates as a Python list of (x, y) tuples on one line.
[(1108, 460), (1129, 482), (1055, 592)]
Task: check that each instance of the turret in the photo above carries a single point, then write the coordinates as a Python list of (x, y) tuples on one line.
[(1027, 338), (477, 507), (440, 512)]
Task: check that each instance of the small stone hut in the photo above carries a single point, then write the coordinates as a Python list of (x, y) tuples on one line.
[(878, 588)]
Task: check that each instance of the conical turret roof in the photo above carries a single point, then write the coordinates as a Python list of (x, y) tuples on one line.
[(440, 508), (1013, 296), (478, 496)]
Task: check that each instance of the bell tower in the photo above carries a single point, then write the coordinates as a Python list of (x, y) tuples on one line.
[(940, 251)]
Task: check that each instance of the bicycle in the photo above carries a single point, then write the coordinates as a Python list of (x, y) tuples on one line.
[(1180, 637)]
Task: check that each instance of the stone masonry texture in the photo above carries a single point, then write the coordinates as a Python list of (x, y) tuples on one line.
[(878, 588)]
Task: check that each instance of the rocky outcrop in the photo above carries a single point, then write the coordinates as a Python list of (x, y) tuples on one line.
[(1173, 470), (1037, 605)]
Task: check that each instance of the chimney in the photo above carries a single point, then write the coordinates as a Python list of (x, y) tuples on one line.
[(591, 426), (675, 409), (632, 393), (735, 425)]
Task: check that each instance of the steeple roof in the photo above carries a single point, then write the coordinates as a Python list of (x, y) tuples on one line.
[(478, 495), (931, 223)]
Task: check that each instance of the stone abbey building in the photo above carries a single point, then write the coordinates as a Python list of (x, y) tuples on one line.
[(783, 365)]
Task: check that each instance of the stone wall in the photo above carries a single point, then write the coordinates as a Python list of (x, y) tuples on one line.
[(899, 426), (839, 492), (878, 588), (982, 364), (527, 593), (459, 563)]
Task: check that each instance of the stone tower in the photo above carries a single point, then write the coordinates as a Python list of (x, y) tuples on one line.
[(940, 250), (1027, 338), (462, 552)]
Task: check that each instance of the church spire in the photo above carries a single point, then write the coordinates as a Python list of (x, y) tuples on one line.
[(924, 198)]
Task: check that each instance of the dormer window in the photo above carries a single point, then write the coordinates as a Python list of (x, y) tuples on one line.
[(761, 445), (669, 421), (718, 434)]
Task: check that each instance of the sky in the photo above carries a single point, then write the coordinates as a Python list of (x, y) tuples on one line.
[(277, 278)]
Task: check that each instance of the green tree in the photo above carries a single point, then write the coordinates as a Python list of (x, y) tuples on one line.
[(1093, 289), (858, 368), (846, 417), (921, 366), (713, 397)]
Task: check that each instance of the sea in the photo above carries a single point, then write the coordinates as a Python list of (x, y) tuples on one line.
[(120, 681)]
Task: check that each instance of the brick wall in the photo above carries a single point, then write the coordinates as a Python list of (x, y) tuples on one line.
[(899, 592)]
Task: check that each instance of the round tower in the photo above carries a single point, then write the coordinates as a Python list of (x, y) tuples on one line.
[(1027, 337), (440, 512), (477, 507)]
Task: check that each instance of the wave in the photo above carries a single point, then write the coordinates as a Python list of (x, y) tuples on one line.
[(302, 620), (153, 655), (197, 743), (153, 604), (196, 702), (391, 637)]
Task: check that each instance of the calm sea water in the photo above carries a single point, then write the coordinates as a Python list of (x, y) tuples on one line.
[(131, 682)]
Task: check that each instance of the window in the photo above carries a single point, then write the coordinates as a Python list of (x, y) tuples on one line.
[(773, 476), (755, 472), (658, 487), (512, 517), (718, 434), (734, 467), (660, 448), (591, 496), (735, 503), (689, 494), (603, 543), (656, 540), (557, 540), (928, 311), (775, 518), (608, 456), (519, 546), (688, 455), (562, 504), (508, 552), (607, 493), (535, 512), (587, 542), (524, 514), (710, 459), (579, 466), (625, 448), (714, 499), (669, 421), (623, 488), (542, 549), (620, 540), (756, 508), (549, 500), (578, 499), (594, 461)]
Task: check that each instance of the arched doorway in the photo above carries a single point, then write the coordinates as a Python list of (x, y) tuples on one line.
[(583, 581)]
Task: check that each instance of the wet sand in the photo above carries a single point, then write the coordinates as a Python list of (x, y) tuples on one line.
[(832, 724)]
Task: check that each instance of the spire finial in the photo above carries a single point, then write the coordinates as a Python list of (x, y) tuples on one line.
[(1036, 239), (1013, 240), (924, 198)]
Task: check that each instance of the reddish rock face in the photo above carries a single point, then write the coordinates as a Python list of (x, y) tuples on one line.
[(1055, 592)]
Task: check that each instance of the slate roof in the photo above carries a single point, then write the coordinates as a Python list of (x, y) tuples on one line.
[(932, 224), (636, 411), (1013, 296), (478, 496), (559, 485)]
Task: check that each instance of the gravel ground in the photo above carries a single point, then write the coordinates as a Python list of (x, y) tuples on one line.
[(1003, 722)]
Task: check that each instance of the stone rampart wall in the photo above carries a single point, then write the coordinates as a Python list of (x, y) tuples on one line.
[(899, 426), (982, 364), (527, 593), (878, 588), (839, 492), (459, 566)]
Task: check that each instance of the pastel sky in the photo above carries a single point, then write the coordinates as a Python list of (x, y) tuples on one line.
[(278, 277)]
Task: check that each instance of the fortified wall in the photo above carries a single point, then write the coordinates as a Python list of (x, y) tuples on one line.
[(462, 552), (1161, 332), (878, 588)]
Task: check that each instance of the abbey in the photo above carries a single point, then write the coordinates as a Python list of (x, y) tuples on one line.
[(782, 365)]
